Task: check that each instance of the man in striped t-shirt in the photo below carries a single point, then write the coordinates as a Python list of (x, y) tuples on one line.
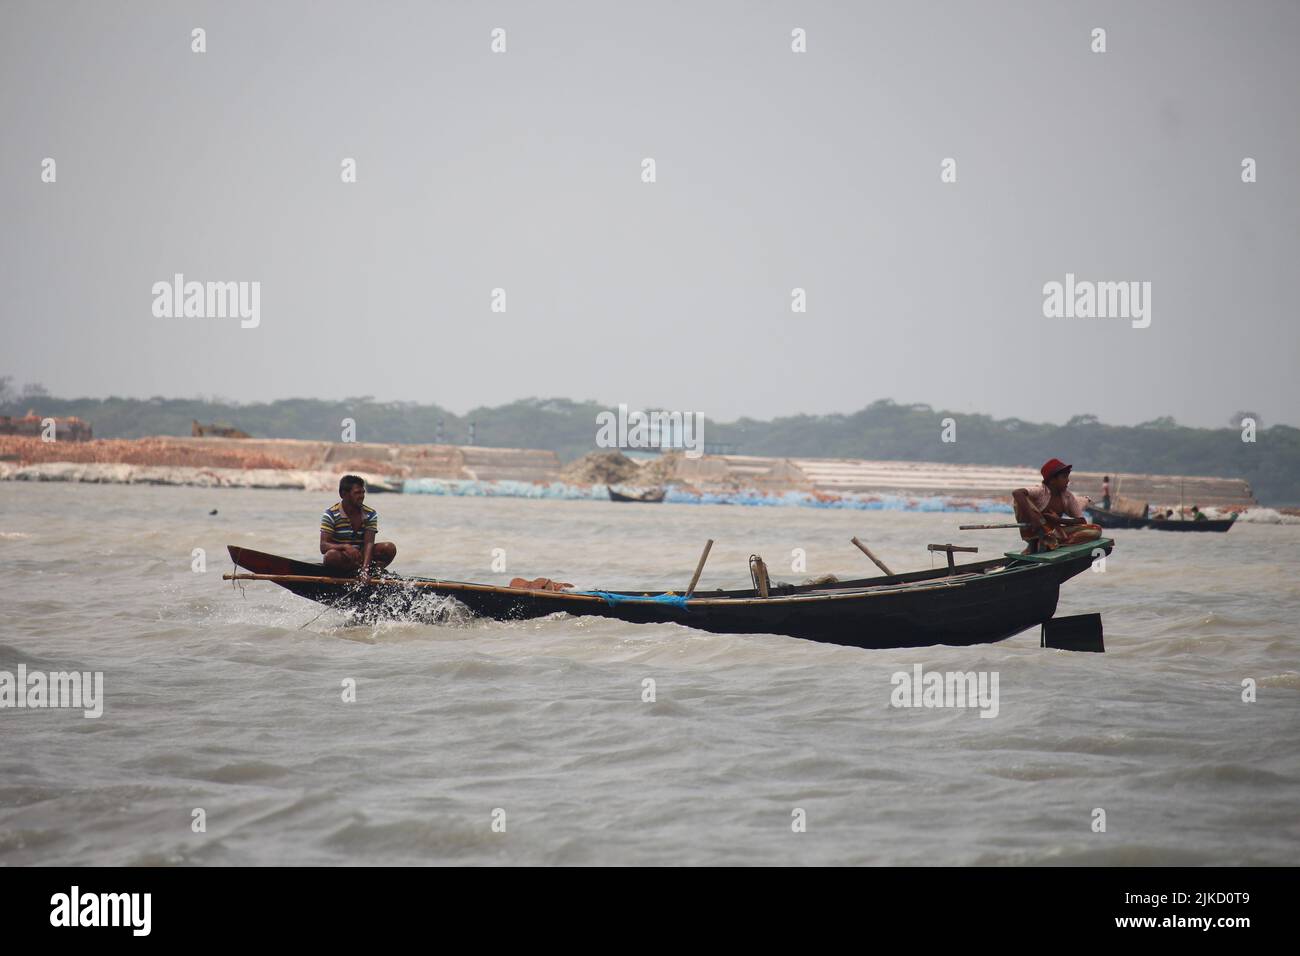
[(348, 530)]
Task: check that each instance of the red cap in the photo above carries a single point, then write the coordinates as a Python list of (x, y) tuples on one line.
[(1052, 467)]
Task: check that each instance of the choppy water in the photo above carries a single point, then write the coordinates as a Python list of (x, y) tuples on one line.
[(231, 701)]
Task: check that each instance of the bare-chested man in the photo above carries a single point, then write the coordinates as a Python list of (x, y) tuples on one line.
[(348, 530)]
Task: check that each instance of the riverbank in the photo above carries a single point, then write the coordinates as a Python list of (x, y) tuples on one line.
[(105, 473), (471, 471)]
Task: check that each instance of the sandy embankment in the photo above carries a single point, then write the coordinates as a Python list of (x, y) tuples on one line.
[(268, 463), (453, 469), (166, 461)]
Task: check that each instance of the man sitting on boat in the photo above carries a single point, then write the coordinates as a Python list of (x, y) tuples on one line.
[(1044, 507), (348, 529)]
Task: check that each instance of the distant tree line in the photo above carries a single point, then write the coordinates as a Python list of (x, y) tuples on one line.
[(882, 430)]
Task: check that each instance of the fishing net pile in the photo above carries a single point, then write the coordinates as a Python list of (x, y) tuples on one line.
[(660, 471), (601, 468), (615, 468)]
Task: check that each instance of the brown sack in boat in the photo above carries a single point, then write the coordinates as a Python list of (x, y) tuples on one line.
[(1130, 507)]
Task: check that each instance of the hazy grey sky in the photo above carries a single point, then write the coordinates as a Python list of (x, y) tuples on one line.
[(775, 170)]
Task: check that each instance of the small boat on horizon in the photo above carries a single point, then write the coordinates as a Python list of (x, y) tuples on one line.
[(1112, 519), (651, 496)]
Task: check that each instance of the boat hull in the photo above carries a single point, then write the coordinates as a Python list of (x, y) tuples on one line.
[(652, 497), (973, 604), (1109, 519)]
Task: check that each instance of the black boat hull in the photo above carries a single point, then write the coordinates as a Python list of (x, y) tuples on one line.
[(989, 601), (1109, 519), (652, 497)]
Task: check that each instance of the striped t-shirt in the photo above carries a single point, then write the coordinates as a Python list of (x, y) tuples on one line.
[(336, 524)]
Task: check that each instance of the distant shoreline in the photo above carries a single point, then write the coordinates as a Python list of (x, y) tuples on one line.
[(1266, 456), (463, 471)]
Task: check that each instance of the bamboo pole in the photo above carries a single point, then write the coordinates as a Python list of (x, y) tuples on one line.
[(1064, 520), (286, 579), (315, 579), (699, 568), (867, 551)]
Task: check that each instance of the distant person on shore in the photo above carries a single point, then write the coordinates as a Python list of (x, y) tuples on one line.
[(1105, 493), (348, 529), (1044, 507)]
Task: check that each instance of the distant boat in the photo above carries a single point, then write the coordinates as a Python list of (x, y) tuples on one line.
[(650, 497), (1111, 519)]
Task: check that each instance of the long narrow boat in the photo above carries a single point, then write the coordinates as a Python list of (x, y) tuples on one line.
[(975, 603), (1111, 519), (651, 497)]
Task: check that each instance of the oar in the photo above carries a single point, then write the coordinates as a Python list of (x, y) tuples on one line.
[(1079, 632), (699, 568), (867, 551), (1022, 524)]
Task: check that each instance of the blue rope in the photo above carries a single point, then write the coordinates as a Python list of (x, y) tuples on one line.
[(675, 600)]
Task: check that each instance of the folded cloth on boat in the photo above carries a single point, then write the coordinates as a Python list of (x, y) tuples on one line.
[(539, 584)]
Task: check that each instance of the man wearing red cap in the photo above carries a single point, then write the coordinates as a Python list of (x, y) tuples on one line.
[(1044, 507)]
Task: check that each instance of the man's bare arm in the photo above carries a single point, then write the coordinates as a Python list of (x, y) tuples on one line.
[(1025, 510), (365, 556), (329, 544)]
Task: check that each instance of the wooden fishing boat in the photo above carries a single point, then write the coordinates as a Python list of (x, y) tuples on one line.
[(651, 497), (1111, 519), (974, 603)]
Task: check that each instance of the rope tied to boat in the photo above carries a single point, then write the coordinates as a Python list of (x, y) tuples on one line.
[(234, 580), (315, 619), (612, 599)]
